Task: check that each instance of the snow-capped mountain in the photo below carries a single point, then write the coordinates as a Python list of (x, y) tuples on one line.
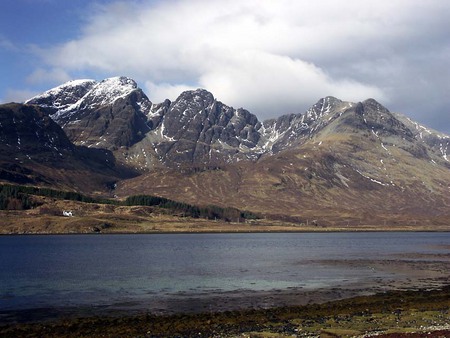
[(198, 129), (107, 114), (116, 113), (338, 159), (70, 99), (63, 97)]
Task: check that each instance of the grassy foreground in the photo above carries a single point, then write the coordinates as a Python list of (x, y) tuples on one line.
[(391, 314)]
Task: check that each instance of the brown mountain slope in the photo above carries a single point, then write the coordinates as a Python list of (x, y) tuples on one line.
[(363, 167)]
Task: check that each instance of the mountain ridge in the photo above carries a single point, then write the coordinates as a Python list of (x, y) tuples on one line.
[(196, 127), (353, 161)]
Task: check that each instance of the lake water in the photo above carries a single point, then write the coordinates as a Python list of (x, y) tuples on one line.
[(152, 272)]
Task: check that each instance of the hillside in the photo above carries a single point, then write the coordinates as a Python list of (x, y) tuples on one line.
[(35, 150)]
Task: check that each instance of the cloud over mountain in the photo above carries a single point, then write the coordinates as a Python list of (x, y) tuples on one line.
[(285, 53)]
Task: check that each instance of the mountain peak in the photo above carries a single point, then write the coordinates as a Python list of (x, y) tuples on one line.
[(323, 107), (107, 114), (109, 90), (118, 82), (374, 105), (197, 95), (63, 96), (72, 95), (331, 99)]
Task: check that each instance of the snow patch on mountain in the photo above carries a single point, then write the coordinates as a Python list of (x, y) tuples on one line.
[(110, 90), (63, 96), (439, 142), (443, 148), (74, 96)]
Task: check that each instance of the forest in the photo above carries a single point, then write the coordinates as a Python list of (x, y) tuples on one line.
[(17, 197)]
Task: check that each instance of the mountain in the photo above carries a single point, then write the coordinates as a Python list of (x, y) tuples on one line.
[(337, 162), (196, 128), (439, 142), (115, 113), (108, 114), (35, 150)]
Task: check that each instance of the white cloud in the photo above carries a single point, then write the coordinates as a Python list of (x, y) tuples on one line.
[(161, 91), (272, 84), (268, 56), (41, 75)]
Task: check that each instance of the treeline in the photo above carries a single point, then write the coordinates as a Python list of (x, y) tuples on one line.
[(12, 198), (16, 197), (209, 212)]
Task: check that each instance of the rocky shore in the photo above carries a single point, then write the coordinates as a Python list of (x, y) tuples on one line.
[(416, 313)]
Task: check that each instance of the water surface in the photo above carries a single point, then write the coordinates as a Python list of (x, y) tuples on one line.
[(150, 271)]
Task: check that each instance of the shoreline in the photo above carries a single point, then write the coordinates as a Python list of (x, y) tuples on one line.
[(380, 313), (287, 229), (186, 303)]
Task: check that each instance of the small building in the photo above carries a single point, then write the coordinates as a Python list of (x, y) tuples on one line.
[(67, 213)]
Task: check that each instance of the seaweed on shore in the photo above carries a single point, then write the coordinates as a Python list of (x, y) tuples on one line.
[(398, 312)]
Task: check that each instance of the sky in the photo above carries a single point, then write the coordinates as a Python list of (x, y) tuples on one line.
[(269, 57)]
